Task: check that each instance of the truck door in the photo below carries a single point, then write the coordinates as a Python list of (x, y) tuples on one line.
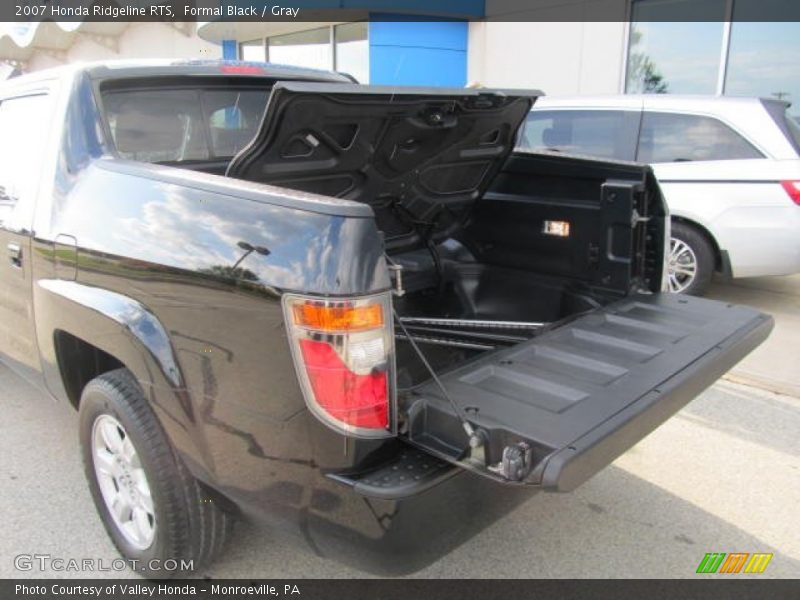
[(24, 128)]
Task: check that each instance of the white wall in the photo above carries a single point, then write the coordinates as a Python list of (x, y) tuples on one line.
[(139, 40), (553, 45), (40, 61)]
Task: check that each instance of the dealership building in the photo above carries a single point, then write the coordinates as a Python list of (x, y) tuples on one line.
[(559, 46)]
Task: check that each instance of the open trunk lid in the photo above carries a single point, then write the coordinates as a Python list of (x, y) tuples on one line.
[(554, 410), (420, 157)]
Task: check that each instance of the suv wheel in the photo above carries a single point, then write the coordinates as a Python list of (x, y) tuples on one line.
[(691, 261), (154, 511)]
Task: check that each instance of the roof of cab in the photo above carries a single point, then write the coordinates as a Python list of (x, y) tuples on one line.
[(123, 69)]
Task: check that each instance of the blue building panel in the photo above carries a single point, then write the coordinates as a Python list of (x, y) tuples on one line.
[(229, 50), (419, 33), (417, 51), (417, 66)]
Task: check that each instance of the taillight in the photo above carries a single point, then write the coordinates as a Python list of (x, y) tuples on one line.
[(793, 189), (344, 355)]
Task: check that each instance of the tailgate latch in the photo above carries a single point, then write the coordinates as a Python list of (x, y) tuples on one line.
[(516, 462)]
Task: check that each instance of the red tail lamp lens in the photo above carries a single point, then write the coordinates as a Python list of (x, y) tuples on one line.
[(357, 400), (793, 189)]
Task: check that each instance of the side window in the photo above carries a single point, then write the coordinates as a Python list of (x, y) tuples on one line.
[(603, 133), (668, 137), (23, 129)]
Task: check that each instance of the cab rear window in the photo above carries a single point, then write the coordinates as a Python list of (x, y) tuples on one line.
[(178, 125)]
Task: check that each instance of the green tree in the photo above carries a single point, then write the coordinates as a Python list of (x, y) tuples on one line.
[(643, 75)]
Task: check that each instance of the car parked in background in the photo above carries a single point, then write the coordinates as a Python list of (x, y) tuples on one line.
[(728, 167)]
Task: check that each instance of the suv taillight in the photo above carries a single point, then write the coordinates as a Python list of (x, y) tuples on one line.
[(793, 189), (344, 354)]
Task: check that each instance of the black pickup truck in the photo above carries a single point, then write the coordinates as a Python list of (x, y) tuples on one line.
[(274, 291)]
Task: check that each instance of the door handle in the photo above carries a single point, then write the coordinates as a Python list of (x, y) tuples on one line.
[(15, 254)]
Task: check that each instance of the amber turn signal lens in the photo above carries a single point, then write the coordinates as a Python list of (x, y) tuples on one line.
[(338, 318)]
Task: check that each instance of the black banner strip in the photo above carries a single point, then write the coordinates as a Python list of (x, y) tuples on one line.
[(356, 10), (712, 587)]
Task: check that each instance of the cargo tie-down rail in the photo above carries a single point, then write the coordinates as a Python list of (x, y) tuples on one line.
[(469, 334)]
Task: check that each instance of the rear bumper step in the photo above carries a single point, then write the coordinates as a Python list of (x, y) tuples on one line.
[(408, 473)]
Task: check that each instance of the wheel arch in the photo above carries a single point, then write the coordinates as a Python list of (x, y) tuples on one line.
[(79, 362), (106, 326), (719, 264), (78, 323)]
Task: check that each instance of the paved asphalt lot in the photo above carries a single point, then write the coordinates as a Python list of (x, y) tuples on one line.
[(722, 476)]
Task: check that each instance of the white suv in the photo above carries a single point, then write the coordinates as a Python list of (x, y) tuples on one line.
[(729, 168)]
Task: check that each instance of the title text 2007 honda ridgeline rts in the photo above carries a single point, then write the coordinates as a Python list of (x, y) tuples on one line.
[(271, 290)]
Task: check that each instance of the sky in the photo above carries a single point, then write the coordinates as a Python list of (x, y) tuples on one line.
[(21, 28)]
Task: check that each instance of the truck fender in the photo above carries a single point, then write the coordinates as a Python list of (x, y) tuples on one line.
[(128, 331), (128, 313)]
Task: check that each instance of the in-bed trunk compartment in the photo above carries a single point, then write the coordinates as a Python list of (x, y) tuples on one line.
[(420, 157), (556, 409)]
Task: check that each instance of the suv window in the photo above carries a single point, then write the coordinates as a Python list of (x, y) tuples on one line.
[(789, 126), (23, 129), (604, 133), (793, 126), (669, 137)]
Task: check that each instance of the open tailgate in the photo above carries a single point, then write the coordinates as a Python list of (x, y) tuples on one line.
[(555, 410)]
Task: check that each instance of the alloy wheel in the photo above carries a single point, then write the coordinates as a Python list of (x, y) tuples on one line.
[(123, 482), (682, 266)]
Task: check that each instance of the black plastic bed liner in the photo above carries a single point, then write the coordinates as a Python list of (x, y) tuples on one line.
[(580, 395)]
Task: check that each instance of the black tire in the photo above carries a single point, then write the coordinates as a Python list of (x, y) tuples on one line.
[(189, 526), (704, 255)]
